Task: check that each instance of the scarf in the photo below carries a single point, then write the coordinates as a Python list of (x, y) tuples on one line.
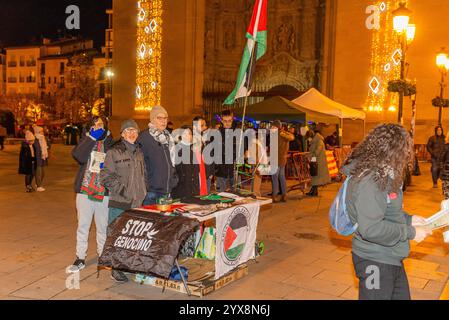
[(38, 133), (202, 177), (91, 185), (163, 137), (43, 144)]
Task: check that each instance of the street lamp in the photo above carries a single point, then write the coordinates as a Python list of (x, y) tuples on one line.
[(443, 65), (109, 75), (406, 32)]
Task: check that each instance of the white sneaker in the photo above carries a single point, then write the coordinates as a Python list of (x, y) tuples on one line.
[(40, 189)]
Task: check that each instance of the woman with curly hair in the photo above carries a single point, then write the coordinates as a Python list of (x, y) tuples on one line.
[(375, 203)]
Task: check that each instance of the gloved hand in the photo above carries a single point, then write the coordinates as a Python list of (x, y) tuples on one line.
[(96, 134)]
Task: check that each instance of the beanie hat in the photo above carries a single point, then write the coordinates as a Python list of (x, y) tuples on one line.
[(29, 136), (156, 111), (130, 123)]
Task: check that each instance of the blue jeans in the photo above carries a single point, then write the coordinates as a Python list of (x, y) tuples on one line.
[(275, 178), (114, 213), (222, 183), (435, 169)]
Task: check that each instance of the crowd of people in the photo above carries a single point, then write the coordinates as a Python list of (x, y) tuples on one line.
[(143, 166), (146, 165)]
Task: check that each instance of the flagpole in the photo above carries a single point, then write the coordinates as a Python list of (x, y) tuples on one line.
[(245, 104)]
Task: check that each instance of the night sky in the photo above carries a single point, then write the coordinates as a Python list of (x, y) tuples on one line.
[(25, 21)]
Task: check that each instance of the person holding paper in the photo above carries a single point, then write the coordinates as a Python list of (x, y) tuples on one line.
[(92, 198), (374, 202), (444, 168)]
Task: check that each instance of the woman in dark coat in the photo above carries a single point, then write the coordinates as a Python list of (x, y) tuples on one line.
[(190, 168), (27, 160)]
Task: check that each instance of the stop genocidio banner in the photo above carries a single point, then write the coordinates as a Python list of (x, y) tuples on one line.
[(144, 242)]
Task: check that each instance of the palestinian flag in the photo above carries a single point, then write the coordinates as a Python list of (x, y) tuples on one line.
[(254, 50), (236, 236)]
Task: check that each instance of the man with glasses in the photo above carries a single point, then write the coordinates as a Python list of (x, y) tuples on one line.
[(124, 177), (158, 148)]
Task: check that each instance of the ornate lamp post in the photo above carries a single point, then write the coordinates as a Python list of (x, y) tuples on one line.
[(442, 61), (406, 33)]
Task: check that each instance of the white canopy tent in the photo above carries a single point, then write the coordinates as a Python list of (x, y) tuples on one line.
[(316, 101)]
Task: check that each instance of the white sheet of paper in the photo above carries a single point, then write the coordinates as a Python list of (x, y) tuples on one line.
[(97, 158)]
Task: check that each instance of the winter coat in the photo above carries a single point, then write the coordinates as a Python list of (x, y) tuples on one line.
[(40, 162), (26, 161), (284, 139), (188, 173), (225, 169), (384, 229), (81, 153), (161, 174), (318, 150), (444, 163), (124, 176), (435, 146)]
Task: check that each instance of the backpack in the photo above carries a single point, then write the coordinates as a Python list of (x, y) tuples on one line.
[(338, 214)]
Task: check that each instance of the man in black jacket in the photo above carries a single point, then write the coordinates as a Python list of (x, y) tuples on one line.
[(92, 197), (224, 171), (158, 148), (435, 146)]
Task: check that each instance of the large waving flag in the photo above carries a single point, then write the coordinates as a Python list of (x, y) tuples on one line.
[(254, 50)]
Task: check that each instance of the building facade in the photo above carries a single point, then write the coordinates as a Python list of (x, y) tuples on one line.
[(2, 73)]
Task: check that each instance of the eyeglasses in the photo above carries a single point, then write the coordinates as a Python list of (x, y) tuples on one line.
[(162, 118), (131, 130)]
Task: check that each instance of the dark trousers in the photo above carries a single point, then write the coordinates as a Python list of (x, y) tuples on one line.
[(380, 281), (152, 198), (435, 169), (29, 177), (2, 141)]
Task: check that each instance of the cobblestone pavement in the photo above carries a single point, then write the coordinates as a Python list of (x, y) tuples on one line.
[(304, 259)]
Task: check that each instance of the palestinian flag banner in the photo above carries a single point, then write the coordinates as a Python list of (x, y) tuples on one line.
[(235, 237), (255, 48)]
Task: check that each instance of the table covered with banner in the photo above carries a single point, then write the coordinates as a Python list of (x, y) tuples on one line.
[(190, 248)]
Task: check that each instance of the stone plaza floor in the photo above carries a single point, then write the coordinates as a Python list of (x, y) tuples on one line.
[(304, 258)]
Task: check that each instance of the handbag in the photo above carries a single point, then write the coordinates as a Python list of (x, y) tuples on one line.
[(313, 165)]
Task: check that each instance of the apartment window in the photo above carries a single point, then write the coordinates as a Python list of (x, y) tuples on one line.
[(56, 80), (61, 68), (49, 80), (22, 61), (62, 82), (12, 62), (42, 68), (31, 61)]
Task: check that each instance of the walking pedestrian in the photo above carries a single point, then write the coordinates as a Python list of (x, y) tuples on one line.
[(435, 146)]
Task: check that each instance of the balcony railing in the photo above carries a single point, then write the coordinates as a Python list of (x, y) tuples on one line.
[(21, 79), (22, 63), (12, 80), (31, 79), (42, 86), (31, 63), (12, 64)]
